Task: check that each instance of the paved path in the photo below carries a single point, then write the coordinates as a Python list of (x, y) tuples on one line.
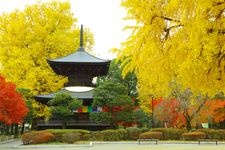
[(163, 145)]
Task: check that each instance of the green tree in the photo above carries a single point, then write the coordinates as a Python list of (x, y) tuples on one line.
[(62, 107), (29, 37), (115, 75), (141, 117), (114, 98), (175, 40)]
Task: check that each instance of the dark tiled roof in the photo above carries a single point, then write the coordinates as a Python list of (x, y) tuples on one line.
[(80, 56), (79, 95)]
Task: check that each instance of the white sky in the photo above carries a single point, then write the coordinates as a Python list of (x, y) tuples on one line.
[(103, 17)]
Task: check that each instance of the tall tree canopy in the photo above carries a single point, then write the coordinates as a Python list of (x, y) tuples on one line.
[(29, 37), (175, 40), (12, 106)]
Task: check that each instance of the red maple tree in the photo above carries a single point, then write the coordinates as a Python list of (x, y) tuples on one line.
[(12, 106), (214, 108), (167, 111)]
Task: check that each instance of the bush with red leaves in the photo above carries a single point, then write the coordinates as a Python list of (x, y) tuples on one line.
[(37, 137)]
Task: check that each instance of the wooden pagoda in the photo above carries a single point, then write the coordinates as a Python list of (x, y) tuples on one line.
[(80, 67)]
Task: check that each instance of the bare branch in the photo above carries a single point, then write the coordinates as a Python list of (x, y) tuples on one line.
[(167, 30), (199, 107)]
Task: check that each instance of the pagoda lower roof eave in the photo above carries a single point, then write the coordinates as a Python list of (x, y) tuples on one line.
[(44, 98)]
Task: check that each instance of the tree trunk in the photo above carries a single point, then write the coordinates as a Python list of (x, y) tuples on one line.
[(112, 118), (11, 129), (1, 128), (7, 129), (190, 117), (188, 124), (187, 120), (23, 126), (16, 131)]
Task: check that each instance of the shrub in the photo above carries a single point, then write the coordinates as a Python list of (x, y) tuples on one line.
[(37, 137), (71, 137), (144, 129), (123, 135), (110, 135), (221, 132), (194, 135), (85, 134), (86, 137), (170, 133), (210, 133), (97, 136), (133, 133), (214, 134), (151, 135)]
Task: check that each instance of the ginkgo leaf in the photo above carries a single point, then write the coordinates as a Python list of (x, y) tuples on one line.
[(175, 40)]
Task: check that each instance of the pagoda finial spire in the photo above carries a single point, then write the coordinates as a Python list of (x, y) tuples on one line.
[(81, 37)]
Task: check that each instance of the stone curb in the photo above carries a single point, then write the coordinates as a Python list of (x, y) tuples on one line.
[(7, 141), (52, 146), (108, 142)]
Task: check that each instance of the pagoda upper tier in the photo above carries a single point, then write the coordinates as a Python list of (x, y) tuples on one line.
[(80, 67)]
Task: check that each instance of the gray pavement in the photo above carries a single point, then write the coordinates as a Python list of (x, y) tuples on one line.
[(162, 145)]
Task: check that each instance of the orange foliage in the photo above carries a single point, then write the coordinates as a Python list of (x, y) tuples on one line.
[(12, 106), (37, 137), (167, 111), (214, 108)]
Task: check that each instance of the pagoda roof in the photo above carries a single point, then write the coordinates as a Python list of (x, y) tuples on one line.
[(78, 95), (80, 56)]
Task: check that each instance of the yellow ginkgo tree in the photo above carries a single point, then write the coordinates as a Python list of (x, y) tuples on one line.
[(175, 41), (29, 37)]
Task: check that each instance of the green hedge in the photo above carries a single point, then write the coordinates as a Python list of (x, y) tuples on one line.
[(144, 129), (109, 135), (71, 137), (84, 134), (151, 135), (123, 134), (194, 135), (133, 133), (221, 134), (213, 134), (170, 133)]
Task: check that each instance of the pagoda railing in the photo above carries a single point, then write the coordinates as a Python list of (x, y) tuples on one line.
[(68, 122)]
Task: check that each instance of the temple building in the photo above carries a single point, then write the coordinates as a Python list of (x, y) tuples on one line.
[(80, 67)]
